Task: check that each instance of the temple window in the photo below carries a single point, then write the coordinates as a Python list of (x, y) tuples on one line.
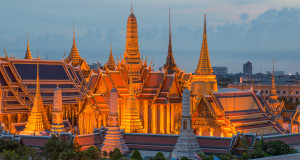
[(278, 92), (291, 99), (297, 99), (267, 92), (284, 92), (297, 92)]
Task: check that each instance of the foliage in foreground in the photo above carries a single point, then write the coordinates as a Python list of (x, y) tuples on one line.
[(12, 150)]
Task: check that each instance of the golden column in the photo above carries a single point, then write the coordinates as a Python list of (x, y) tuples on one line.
[(146, 116), (168, 119), (162, 119), (154, 119), (172, 117)]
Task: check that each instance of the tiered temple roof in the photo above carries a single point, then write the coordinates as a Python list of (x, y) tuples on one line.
[(18, 81), (245, 110)]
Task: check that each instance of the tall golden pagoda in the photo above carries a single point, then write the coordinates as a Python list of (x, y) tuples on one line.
[(204, 66), (38, 120), (28, 53), (74, 54), (131, 121), (170, 65), (203, 81), (111, 65), (132, 55)]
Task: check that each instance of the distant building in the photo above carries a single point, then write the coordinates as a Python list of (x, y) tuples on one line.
[(247, 69), (279, 73), (220, 71), (94, 66)]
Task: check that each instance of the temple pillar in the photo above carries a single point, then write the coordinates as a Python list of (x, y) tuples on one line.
[(9, 117), (162, 118), (172, 118), (19, 118), (146, 116), (104, 120), (211, 132), (138, 107), (200, 131), (168, 119), (154, 119), (73, 112)]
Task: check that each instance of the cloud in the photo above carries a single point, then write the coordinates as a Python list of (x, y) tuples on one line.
[(244, 16)]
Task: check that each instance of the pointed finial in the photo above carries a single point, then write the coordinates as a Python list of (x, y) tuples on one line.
[(27, 41), (110, 48), (273, 66), (204, 29), (169, 25), (74, 35), (37, 75), (131, 9)]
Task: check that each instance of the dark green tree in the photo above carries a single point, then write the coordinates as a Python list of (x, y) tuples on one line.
[(184, 158), (55, 146), (115, 155), (9, 155), (8, 145), (136, 155), (278, 148), (159, 156), (92, 153)]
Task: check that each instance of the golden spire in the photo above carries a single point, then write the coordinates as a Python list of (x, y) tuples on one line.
[(132, 53), (204, 66), (38, 92), (37, 120), (28, 53), (111, 62), (74, 54), (273, 94), (170, 62)]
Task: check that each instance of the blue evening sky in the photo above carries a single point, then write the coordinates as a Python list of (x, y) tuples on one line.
[(238, 30)]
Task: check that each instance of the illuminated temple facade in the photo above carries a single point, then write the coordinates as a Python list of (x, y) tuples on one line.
[(148, 101)]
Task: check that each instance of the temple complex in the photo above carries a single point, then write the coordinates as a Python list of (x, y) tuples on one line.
[(148, 101)]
